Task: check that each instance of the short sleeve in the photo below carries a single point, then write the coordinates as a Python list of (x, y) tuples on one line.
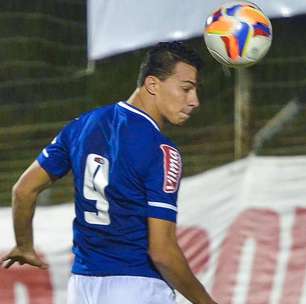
[(162, 183), (55, 157)]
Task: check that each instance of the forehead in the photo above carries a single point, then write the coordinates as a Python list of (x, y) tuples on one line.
[(184, 72)]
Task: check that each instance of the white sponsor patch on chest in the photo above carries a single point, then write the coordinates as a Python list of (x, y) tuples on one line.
[(172, 168)]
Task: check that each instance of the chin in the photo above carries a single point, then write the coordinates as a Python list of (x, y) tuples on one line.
[(178, 122)]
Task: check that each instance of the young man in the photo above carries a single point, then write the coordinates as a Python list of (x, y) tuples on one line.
[(126, 177)]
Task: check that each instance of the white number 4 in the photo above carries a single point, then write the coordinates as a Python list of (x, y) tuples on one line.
[(95, 181)]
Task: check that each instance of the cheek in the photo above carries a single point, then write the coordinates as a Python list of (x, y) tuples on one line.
[(172, 101), (177, 100)]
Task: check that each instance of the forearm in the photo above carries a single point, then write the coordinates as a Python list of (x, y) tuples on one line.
[(23, 210), (175, 270)]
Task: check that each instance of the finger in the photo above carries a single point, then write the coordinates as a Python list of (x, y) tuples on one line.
[(41, 264), (9, 264), (5, 258), (44, 266), (36, 261)]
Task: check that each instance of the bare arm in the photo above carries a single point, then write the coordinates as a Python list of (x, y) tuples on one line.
[(24, 196), (170, 261)]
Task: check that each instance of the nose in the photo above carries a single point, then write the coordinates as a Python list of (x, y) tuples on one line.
[(194, 100)]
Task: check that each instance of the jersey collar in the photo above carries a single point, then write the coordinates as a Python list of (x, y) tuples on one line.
[(138, 111)]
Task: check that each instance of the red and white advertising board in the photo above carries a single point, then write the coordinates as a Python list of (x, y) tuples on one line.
[(242, 228)]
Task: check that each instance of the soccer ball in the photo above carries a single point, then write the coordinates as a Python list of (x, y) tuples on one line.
[(238, 34)]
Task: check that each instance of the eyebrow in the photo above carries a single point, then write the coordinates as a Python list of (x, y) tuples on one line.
[(191, 82)]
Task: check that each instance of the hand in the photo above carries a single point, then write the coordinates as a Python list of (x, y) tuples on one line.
[(22, 256)]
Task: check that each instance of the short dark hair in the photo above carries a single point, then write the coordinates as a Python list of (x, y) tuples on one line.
[(161, 59)]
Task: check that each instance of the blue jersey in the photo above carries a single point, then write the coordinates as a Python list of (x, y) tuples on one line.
[(124, 171)]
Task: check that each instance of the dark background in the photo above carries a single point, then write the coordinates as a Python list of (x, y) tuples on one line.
[(44, 84)]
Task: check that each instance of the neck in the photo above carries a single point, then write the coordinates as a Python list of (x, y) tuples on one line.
[(141, 100)]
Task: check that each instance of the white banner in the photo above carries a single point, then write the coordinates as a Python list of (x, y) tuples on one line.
[(119, 26), (241, 226)]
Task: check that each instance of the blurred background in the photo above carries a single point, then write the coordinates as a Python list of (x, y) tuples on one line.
[(244, 235), (45, 81)]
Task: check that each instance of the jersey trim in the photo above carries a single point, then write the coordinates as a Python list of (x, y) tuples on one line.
[(45, 152), (163, 205), (132, 109)]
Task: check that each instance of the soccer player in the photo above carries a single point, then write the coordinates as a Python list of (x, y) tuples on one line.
[(126, 178)]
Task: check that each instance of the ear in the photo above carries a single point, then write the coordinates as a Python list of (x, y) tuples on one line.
[(151, 84)]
